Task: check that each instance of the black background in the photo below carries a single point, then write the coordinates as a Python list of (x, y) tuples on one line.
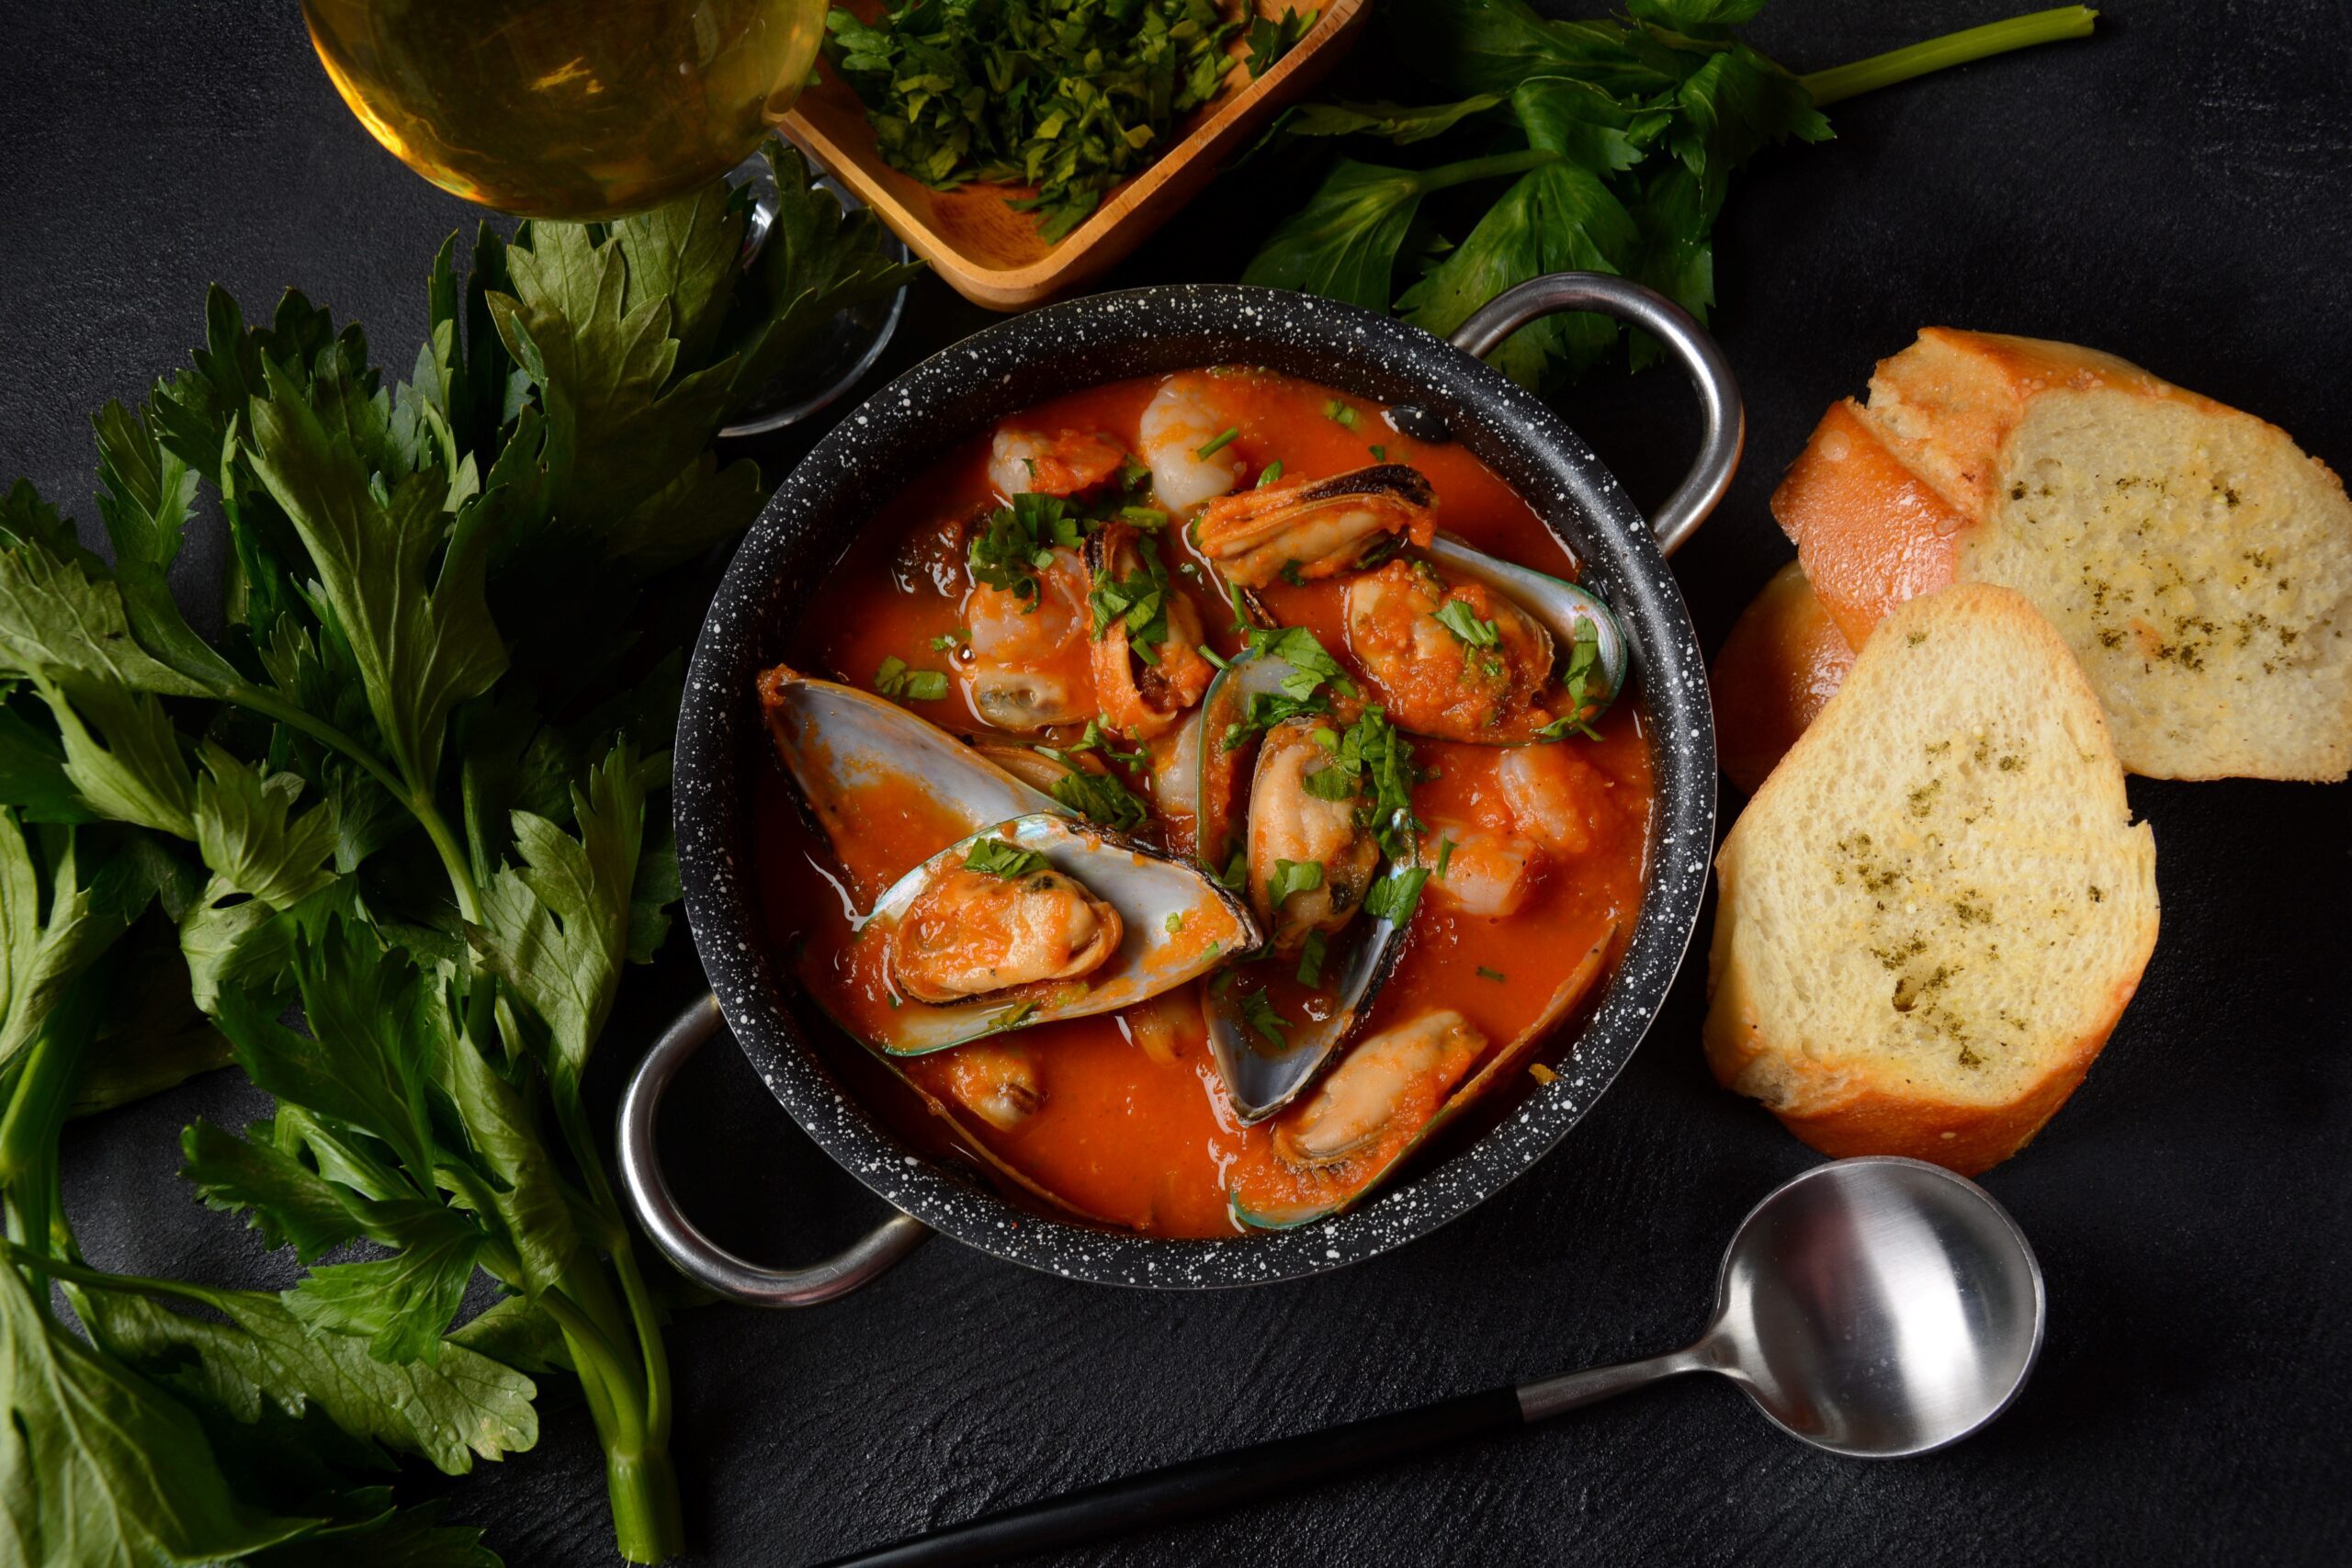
[(2175, 191)]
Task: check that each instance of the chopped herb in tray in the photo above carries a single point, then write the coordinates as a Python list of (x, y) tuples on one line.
[(1069, 95)]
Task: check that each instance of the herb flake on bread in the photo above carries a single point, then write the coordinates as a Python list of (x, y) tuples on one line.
[(1935, 909), (2196, 561)]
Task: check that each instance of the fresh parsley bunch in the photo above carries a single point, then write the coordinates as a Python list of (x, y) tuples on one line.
[(1600, 146), (395, 834)]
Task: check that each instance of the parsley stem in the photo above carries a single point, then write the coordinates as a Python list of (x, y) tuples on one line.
[(1494, 167), (1843, 81)]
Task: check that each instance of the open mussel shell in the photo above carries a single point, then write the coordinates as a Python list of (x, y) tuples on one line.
[(1560, 607), (1262, 1077), (1215, 786), (1278, 1185), (836, 739), (1177, 925)]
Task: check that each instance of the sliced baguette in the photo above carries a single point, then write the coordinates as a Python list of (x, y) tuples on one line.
[(2196, 560), (1935, 909)]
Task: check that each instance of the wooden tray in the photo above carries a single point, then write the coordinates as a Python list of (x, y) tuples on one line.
[(993, 256)]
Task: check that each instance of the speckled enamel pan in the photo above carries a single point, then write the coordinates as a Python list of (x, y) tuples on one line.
[(962, 391)]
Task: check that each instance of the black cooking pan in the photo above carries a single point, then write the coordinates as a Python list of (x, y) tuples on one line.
[(889, 440)]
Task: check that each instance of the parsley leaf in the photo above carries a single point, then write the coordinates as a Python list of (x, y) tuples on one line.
[(1292, 876), (1000, 857), (1310, 959), (1456, 617), (1016, 541), (1606, 146), (1099, 798), (1258, 1011), (1395, 896), (894, 678)]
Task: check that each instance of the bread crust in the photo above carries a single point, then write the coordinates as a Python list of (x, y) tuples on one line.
[(1836, 1107), (1783, 662)]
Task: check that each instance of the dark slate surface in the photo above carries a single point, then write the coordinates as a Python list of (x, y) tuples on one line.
[(2176, 192)]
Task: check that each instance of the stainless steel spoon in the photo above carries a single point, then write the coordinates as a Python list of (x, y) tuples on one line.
[(1876, 1308)]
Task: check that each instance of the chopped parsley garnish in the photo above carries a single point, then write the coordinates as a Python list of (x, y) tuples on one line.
[(1212, 656), (1584, 661), (1293, 575), (1395, 896), (950, 639), (1143, 517), (1217, 443), (1099, 798), (1000, 857), (1068, 98), (1339, 413), (1019, 539), (895, 679), (1312, 668), (1310, 960), (1259, 1014), (1456, 617), (1016, 1018), (1328, 784), (1139, 601), (1273, 472), (1095, 739), (1444, 855), (1379, 453), (1379, 761), (1486, 974), (1175, 922), (1292, 876)]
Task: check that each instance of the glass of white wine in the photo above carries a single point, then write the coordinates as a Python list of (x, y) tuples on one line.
[(590, 109), (575, 109)]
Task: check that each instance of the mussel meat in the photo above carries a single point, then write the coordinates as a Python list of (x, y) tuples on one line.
[(1311, 861), (1075, 888), (1387, 1082), (1449, 657), (1381, 1102), (996, 921), (1315, 527)]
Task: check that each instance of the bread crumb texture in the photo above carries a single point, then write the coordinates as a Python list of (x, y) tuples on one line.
[(2200, 568), (1938, 905)]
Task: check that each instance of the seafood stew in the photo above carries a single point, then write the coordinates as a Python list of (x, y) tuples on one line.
[(1244, 826)]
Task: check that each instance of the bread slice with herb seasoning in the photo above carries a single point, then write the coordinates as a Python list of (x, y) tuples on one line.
[(1936, 908), (2196, 560)]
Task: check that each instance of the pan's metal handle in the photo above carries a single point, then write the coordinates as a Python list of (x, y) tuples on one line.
[(697, 1256), (1725, 418)]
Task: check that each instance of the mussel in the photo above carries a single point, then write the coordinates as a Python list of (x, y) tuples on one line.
[(1310, 860), (1314, 528), (1568, 615), (1172, 925), (977, 929), (1261, 1074), (1380, 1103)]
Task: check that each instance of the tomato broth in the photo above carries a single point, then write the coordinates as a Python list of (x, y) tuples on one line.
[(1132, 1128)]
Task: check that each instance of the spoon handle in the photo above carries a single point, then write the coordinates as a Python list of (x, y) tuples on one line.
[(1199, 1485)]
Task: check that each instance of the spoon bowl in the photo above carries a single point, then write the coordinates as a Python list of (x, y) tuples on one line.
[(1878, 1308)]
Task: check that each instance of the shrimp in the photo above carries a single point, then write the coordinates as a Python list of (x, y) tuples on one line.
[(1075, 461), (1177, 423), (1487, 873), (1556, 798), (1031, 661)]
